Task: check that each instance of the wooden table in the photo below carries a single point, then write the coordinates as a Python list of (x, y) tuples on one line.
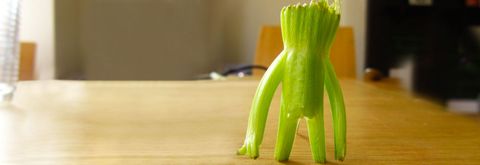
[(68, 122)]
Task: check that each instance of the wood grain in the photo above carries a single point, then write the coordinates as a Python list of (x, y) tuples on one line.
[(270, 44), (69, 122)]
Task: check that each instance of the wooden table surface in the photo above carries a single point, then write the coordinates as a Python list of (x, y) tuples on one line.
[(68, 122)]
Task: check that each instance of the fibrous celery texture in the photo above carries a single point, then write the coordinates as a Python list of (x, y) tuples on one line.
[(304, 69)]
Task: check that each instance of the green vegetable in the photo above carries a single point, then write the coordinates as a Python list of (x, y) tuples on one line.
[(304, 69)]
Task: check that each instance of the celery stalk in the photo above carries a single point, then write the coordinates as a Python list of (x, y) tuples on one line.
[(304, 69)]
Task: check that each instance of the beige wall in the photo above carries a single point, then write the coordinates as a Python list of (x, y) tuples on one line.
[(37, 25), (132, 39), (354, 14), (163, 39), (145, 39)]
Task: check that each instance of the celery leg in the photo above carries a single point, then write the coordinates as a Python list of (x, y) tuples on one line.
[(338, 111), (287, 129), (260, 107), (316, 133)]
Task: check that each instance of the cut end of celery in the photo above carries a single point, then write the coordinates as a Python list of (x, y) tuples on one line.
[(245, 151), (282, 160), (340, 156), (242, 151), (321, 161), (334, 7)]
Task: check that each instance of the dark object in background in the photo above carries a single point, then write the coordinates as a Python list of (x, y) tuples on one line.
[(439, 39), (372, 74), (248, 70), (240, 71)]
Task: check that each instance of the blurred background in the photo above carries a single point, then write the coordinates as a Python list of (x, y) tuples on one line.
[(430, 47)]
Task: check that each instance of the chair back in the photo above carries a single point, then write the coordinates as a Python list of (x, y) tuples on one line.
[(27, 61)]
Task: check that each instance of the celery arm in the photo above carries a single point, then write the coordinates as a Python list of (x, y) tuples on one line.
[(316, 134), (260, 107), (338, 111), (287, 129)]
